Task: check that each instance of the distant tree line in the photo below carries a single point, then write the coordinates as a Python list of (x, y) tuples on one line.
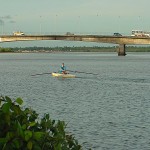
[(66, 49), (76, 49), (5, 50)]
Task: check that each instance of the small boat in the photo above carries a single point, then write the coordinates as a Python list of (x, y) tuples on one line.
[(55, 74)]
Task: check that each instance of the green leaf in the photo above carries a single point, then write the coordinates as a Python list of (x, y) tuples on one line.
[(6, 107), (7, 118), (32, 124), (47, 116), (57, 147), (37, 147), (29, 145), (38, 135), (19, 129), (16, 143), (16, 109), (24, 127), (8, 99), (28, 135), (3, 140), (19, 101)]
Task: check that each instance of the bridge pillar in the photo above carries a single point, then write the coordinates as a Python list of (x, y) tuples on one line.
[(121, 50)]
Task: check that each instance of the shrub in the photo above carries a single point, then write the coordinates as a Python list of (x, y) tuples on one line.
[(6, 50), (22, 129)]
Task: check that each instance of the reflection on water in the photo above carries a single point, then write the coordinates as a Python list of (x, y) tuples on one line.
[(105, 111)]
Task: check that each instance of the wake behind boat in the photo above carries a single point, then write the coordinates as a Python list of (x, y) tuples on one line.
[(55, 74)]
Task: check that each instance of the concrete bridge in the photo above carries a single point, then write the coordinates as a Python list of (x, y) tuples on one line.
[(122, 41)]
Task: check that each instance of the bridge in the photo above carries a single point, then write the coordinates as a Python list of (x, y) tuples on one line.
[(122, 41)]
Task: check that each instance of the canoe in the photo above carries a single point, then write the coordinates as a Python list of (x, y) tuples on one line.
[(54, 74)]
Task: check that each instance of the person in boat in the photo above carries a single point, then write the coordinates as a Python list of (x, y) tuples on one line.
[(63, 69)]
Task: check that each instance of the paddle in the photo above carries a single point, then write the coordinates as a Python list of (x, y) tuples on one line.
[(40, 74), (83, 72)]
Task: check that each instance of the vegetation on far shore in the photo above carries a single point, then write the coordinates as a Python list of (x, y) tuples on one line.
[(75, 49), (22, 129), (6, 50)]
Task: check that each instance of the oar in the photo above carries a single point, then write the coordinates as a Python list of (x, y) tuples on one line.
[(82, 72), (41, 74)]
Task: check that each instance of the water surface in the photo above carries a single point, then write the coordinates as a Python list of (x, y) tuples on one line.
[(108, 111)]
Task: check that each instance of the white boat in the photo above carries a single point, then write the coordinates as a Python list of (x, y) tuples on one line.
[(54, 74)]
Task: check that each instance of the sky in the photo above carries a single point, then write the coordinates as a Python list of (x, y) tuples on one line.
[(78, 16)]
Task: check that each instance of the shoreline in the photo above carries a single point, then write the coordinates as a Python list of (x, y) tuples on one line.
[(71, 49), (68, 52)]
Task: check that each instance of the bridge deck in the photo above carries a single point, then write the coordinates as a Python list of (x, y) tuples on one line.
[(121, 40), (85, 38)]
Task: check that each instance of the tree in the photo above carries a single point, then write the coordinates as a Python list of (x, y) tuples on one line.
[(22, 129)]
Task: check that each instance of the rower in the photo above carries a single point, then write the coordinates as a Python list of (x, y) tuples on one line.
[(63, 69)]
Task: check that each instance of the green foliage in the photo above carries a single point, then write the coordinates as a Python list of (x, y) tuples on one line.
[(76, 49), (22, 129), (65, 49), (4, 50)]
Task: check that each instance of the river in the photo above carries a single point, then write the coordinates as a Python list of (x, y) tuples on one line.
[(108, 111)]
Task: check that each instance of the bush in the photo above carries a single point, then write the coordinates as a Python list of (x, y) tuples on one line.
[(22, 129), (5, 50)]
